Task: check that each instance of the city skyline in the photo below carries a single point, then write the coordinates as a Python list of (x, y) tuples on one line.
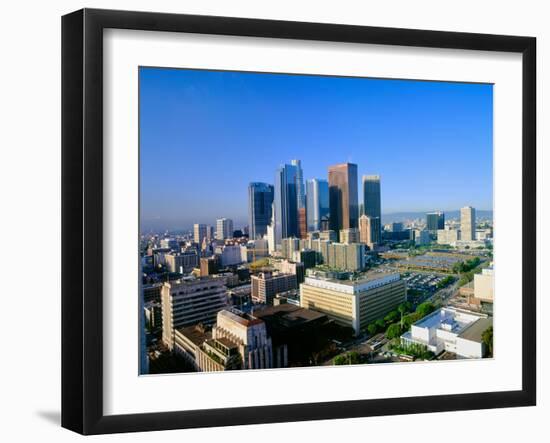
[(196, 117)]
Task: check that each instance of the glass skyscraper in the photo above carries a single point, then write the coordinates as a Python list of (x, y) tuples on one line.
[(372, 206), (300, 190), (286, 202), (317, 203), (344, 209), (435, 221), (260, 201)]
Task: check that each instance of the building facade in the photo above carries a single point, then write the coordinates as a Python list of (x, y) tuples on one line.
[(372, 202), (351, 303), (467, 224), (286, 203), (260, 203), (370, 231), (435, 221), (266, 285), (317, 203), (344, 209), (224, 228), (188, 302), (199, 233)]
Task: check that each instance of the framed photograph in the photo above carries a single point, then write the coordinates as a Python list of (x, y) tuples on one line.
[(269, 221)]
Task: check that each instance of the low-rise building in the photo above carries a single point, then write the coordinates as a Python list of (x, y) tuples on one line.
[(354, 303), (452, 330), (484, 285), (266, 285)]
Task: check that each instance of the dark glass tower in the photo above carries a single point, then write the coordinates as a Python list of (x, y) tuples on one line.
[(286, 203), (372, 205), (260, 200)]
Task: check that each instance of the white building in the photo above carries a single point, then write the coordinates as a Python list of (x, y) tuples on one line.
[(468, 223), (447, 236), (451, 330), (229, 255), (421, 237)]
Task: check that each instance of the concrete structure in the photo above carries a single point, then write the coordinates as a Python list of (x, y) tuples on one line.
[(420, 237), (448, 236), (350, 235), (260, 204), (484, 284), (468, 223), (452, 330), (170, 243), (291, 267), (354, 303), (188, 302), (199, 233), (230, 255), (369, 231), (209, 265), (302, 223), (266, 285), (182, 262), (317, 198), (224, 228), (344, 210)]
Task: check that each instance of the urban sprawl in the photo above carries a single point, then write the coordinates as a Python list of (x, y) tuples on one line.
[(316, 279)]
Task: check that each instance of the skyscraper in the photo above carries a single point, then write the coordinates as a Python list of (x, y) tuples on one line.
[(435, 221), (300, 190), (468, 223), (224, 228), (199, 233), (260, 200), (317, 203), (285, 203), (372, 206), (344, 210)]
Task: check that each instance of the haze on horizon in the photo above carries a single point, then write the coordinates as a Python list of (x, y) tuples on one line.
[(204, 135)]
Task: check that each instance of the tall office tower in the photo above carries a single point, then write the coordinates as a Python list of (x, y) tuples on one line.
[(302, 222), (435, 221), (199, 233), (369, 230), (468, 223), (224, 228), (372, 206), (285, 203), (317, 203), (342, 184), (300, 190), (189, 302), (210, 232), (260, 201)]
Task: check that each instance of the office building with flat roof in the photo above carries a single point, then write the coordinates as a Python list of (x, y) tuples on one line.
[(372, 202), (370, 231), (285, 202), (190, 301), (435, 221), (199, 233), (467, 224), (224, 228), (266, 285), (354, 303)]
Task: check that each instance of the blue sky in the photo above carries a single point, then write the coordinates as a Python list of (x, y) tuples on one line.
[(204, 135)]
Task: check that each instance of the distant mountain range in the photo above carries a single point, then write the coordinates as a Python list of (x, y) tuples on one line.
[(449, 215)]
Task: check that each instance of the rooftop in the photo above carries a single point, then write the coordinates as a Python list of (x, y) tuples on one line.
[(286, 315), (196, 333), (476, 329), (240, 317)]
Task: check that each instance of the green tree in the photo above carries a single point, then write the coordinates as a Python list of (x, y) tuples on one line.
[(380, 324), (372, 329), (487, 338), (425, 308), (391, 317), (393, 331)]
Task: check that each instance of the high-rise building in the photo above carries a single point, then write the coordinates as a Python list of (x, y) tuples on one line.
[(344, 210), (435, 221), (188, 302), (210, 234), (302, 222), (372, 201), (224, 228), (467, 224), (199, 233), (285, 203), (353, 303), (300, 189), (317, 203), (260, 203), (369, 230), (447, 236), (182, 262)]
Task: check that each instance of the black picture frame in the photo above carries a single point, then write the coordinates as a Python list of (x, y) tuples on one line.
[(82, 218)]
